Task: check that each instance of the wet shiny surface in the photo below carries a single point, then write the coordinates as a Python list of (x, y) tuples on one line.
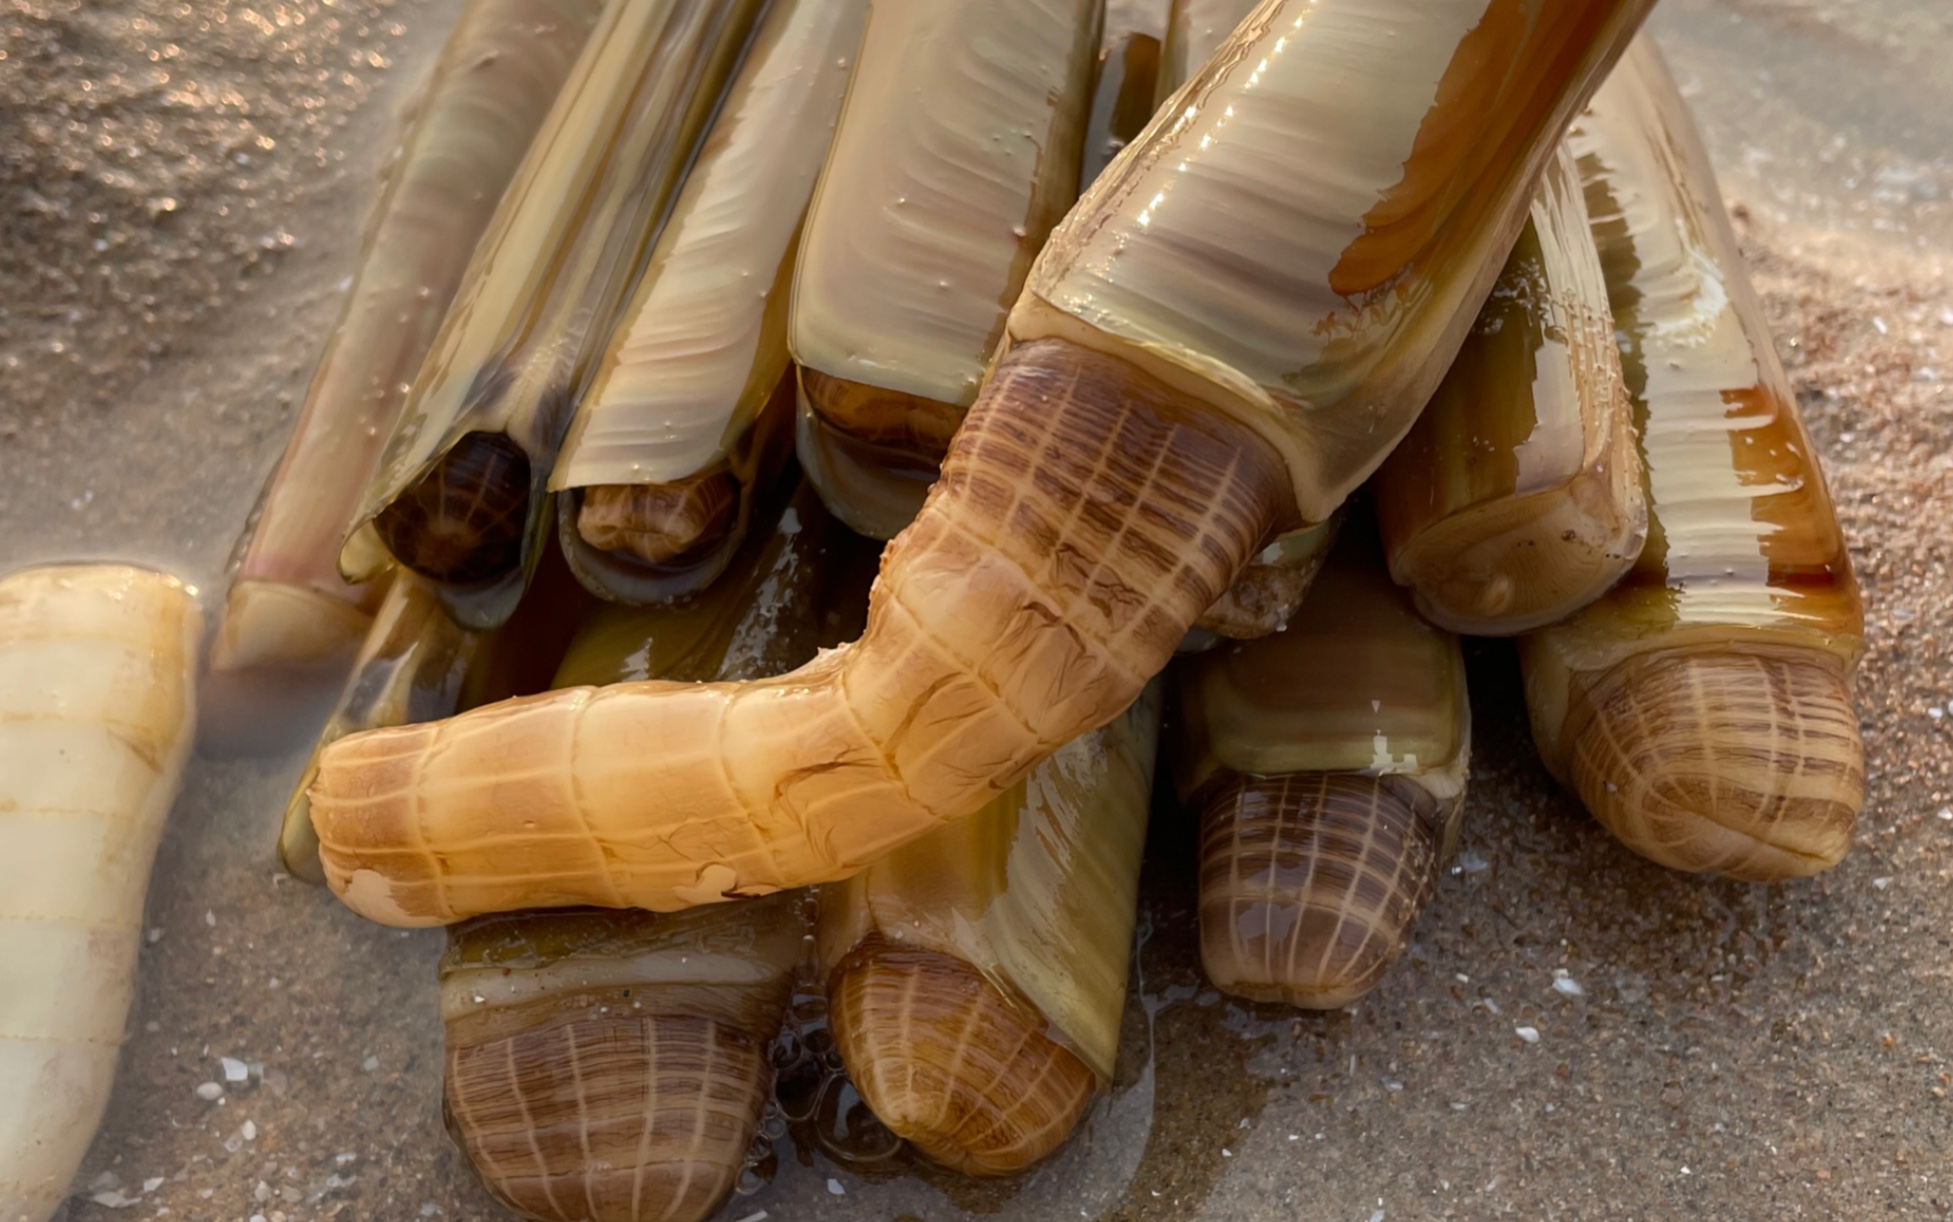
[(1519, 434), (1307, 264), (1518, 496), (1739, 535), (703, 340), (1782, 1044), (760, 619), (1357, 681), (920, 236)]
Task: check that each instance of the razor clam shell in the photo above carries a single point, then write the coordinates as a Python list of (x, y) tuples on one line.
[(921, 232), (499, 72), (1314, 279), (567, 243), (1039, 889), (1744, 548), (702, 343), (1517, 498)]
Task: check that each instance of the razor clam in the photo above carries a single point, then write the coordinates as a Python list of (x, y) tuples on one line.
[(97, 705), (688, 418), (498, 74), (1227, 334), (1516, 499), (1328, 763), (460, 497), (605, 1066), (1702, 708), (958, 150), (976, 977)]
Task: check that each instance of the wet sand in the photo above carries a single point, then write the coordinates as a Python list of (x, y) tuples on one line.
[(170, 258)]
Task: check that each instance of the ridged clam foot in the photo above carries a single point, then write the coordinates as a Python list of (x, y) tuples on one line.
[(949, 1062), (1310, 883), (1746, 764), (615, 1119)]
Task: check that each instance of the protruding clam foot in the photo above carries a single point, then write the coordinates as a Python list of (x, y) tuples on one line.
[(1748, 764), (463, 521), (1310, 883), (658, 523), (614, 1119), (951, 1063), (1086, 516)]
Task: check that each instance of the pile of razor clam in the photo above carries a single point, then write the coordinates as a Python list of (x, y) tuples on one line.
[(1217, 384)]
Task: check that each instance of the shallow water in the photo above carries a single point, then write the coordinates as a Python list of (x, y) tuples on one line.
[(1731, 1051)]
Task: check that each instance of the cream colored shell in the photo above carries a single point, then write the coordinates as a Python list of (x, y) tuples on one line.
[(958, 150), (703, 341), (96, 717)]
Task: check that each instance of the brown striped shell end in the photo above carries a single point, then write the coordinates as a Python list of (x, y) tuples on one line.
[(1310, 883), (950, 1063), (613, 1119), (910, 423), (1745, 764)]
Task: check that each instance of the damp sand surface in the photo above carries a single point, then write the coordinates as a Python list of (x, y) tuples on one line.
[(1573, 1033)]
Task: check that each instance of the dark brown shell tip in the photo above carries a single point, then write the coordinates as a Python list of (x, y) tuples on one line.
[(463, 522)]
